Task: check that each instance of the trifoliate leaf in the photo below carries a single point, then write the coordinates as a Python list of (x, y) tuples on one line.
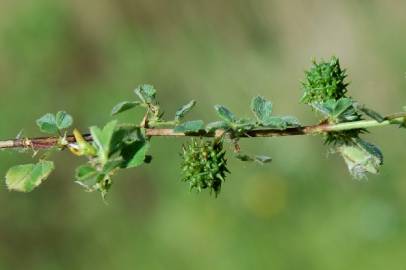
[(146, 93), (216, 125), (124, 106), (190, 126), (134, 154), (63, 120), (261, 108), (102, 140), (85, 172), (47, 123), (225, 114), (26, 177), (341, 110), (184, 110)]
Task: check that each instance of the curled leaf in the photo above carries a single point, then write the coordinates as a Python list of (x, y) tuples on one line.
[(146, 93), (263, 159), (184, 110), (371, 113), (124, 106), (361, 157), (225, 114)]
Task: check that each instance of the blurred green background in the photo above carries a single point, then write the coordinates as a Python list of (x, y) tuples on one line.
[(301, 212)]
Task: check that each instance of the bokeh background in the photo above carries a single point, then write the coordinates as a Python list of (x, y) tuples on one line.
[(301, 212)]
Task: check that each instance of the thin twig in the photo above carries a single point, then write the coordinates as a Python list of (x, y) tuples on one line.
[(49, 142)]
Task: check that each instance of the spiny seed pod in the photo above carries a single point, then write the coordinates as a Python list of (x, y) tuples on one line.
[(204, 165), (324, 81)]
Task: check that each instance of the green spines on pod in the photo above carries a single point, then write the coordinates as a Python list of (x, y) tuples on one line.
[(204, 165), (324, 81)]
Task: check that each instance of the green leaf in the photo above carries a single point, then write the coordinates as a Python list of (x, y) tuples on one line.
[(190, 126), (26, 177), (276, 122), (85, 172), (261, 108), (216, 125), (291, 121), (361, 157), (340, 106), (102, 139), (244, 124), (146, 93), (371, 113), (184, 110), (124, 106), (63, 120), (92, 182), (47, 123), (112, 164), (126, 135), (134, 154), (225, 114)]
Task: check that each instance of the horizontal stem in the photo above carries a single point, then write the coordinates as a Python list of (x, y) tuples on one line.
[(49, 142)]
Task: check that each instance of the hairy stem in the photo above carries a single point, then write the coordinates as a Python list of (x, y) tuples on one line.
[(49, 142)]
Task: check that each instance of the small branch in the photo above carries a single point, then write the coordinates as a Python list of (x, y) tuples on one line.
[(49, 142)]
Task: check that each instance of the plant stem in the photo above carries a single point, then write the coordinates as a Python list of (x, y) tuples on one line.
[(49, 142)]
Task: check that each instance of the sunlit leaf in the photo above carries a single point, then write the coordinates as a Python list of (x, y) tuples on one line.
[(102, 139), (26, 177)]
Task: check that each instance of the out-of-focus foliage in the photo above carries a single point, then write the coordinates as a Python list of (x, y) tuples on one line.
[(302, 212)]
